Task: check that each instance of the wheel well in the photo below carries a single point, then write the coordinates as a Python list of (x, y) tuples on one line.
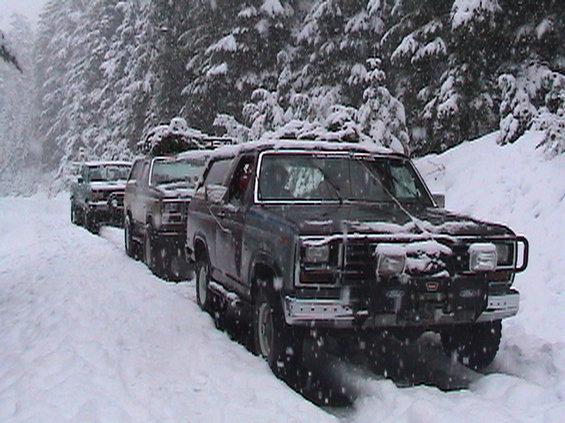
[(200, 252), (149, 220), (262, 272)]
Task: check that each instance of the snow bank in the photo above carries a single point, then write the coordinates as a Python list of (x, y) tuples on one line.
[(515, 185)]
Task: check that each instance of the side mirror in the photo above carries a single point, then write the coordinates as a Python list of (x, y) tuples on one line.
[(215, 193), (439, 199)]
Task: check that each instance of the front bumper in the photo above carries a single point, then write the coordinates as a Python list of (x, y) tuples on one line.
[(105, 214), (171, 230), (340, 314)]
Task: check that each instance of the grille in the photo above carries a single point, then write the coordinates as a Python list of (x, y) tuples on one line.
[(354, 263), (118, 197), (359, 262)]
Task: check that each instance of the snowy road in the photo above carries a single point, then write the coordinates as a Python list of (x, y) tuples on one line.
[(89, 335)]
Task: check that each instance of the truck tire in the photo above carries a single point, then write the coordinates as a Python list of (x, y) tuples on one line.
[(91, 223), (274, 340), (203, 294), (75, 214), (129, 243), (175, 266), (149, 249), (474, 344)]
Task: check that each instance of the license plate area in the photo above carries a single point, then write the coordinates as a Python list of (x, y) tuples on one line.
[(467, 298)]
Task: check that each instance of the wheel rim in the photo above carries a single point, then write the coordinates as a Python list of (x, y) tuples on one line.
[(203, 284), (265, 329)]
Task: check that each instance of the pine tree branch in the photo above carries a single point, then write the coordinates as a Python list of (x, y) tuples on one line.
[(7, 56)]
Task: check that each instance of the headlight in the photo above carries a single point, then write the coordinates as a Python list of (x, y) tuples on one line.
[(391, 260), (482, 257), (172, 208), (96, 196), (171, 212), (316, 253)]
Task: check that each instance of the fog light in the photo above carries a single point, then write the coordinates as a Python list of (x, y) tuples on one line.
[(391, 260), (482, 257)]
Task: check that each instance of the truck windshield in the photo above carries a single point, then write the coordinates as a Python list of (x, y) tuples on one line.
[(173, 171), (323, 177), (105, 173)]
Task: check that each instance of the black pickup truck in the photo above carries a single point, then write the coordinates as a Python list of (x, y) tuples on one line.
[(97, 194), (346, 240), (157, 193)]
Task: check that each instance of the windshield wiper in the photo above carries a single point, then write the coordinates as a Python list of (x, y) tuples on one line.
[(328, 180)]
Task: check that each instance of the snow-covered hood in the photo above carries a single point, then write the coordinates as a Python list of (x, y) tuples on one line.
[(383, 219), (180, 190), (108, 186)]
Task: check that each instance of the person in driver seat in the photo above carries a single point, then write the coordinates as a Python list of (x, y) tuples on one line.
[(273, 181)]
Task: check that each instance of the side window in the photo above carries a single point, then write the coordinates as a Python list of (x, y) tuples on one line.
[(217, 172), (241, 179), (136, 171), (85, 174), (144, 176), (82, 174), (95, 174)]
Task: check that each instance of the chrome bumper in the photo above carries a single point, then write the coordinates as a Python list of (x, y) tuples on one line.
[(338, 313), (98, 205), (300, 311), (500, 307)]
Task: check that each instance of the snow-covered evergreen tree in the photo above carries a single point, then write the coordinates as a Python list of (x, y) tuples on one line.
[(60, 27), (415, 49), (128, 81), (365, 70), (82, 62), (240, 58), (169, 23), (532, 82), (19, 161), (381, 115)]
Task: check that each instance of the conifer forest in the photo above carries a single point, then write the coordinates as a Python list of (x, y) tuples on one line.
[(92, 77)]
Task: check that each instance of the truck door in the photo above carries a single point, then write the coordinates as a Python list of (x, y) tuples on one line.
[(230, 217), (139, 206)]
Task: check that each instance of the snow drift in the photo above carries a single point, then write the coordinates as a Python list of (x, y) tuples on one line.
[(89, 335)]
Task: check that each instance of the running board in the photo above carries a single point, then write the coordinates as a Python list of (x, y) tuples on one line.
[(231, 298)]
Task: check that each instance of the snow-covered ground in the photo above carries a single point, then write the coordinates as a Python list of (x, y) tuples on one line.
[(89, 335)]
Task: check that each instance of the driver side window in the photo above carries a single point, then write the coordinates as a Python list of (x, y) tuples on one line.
[(135, 171), (241, 180)]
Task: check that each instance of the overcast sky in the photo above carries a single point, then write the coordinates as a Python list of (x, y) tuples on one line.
[(29, 8)]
